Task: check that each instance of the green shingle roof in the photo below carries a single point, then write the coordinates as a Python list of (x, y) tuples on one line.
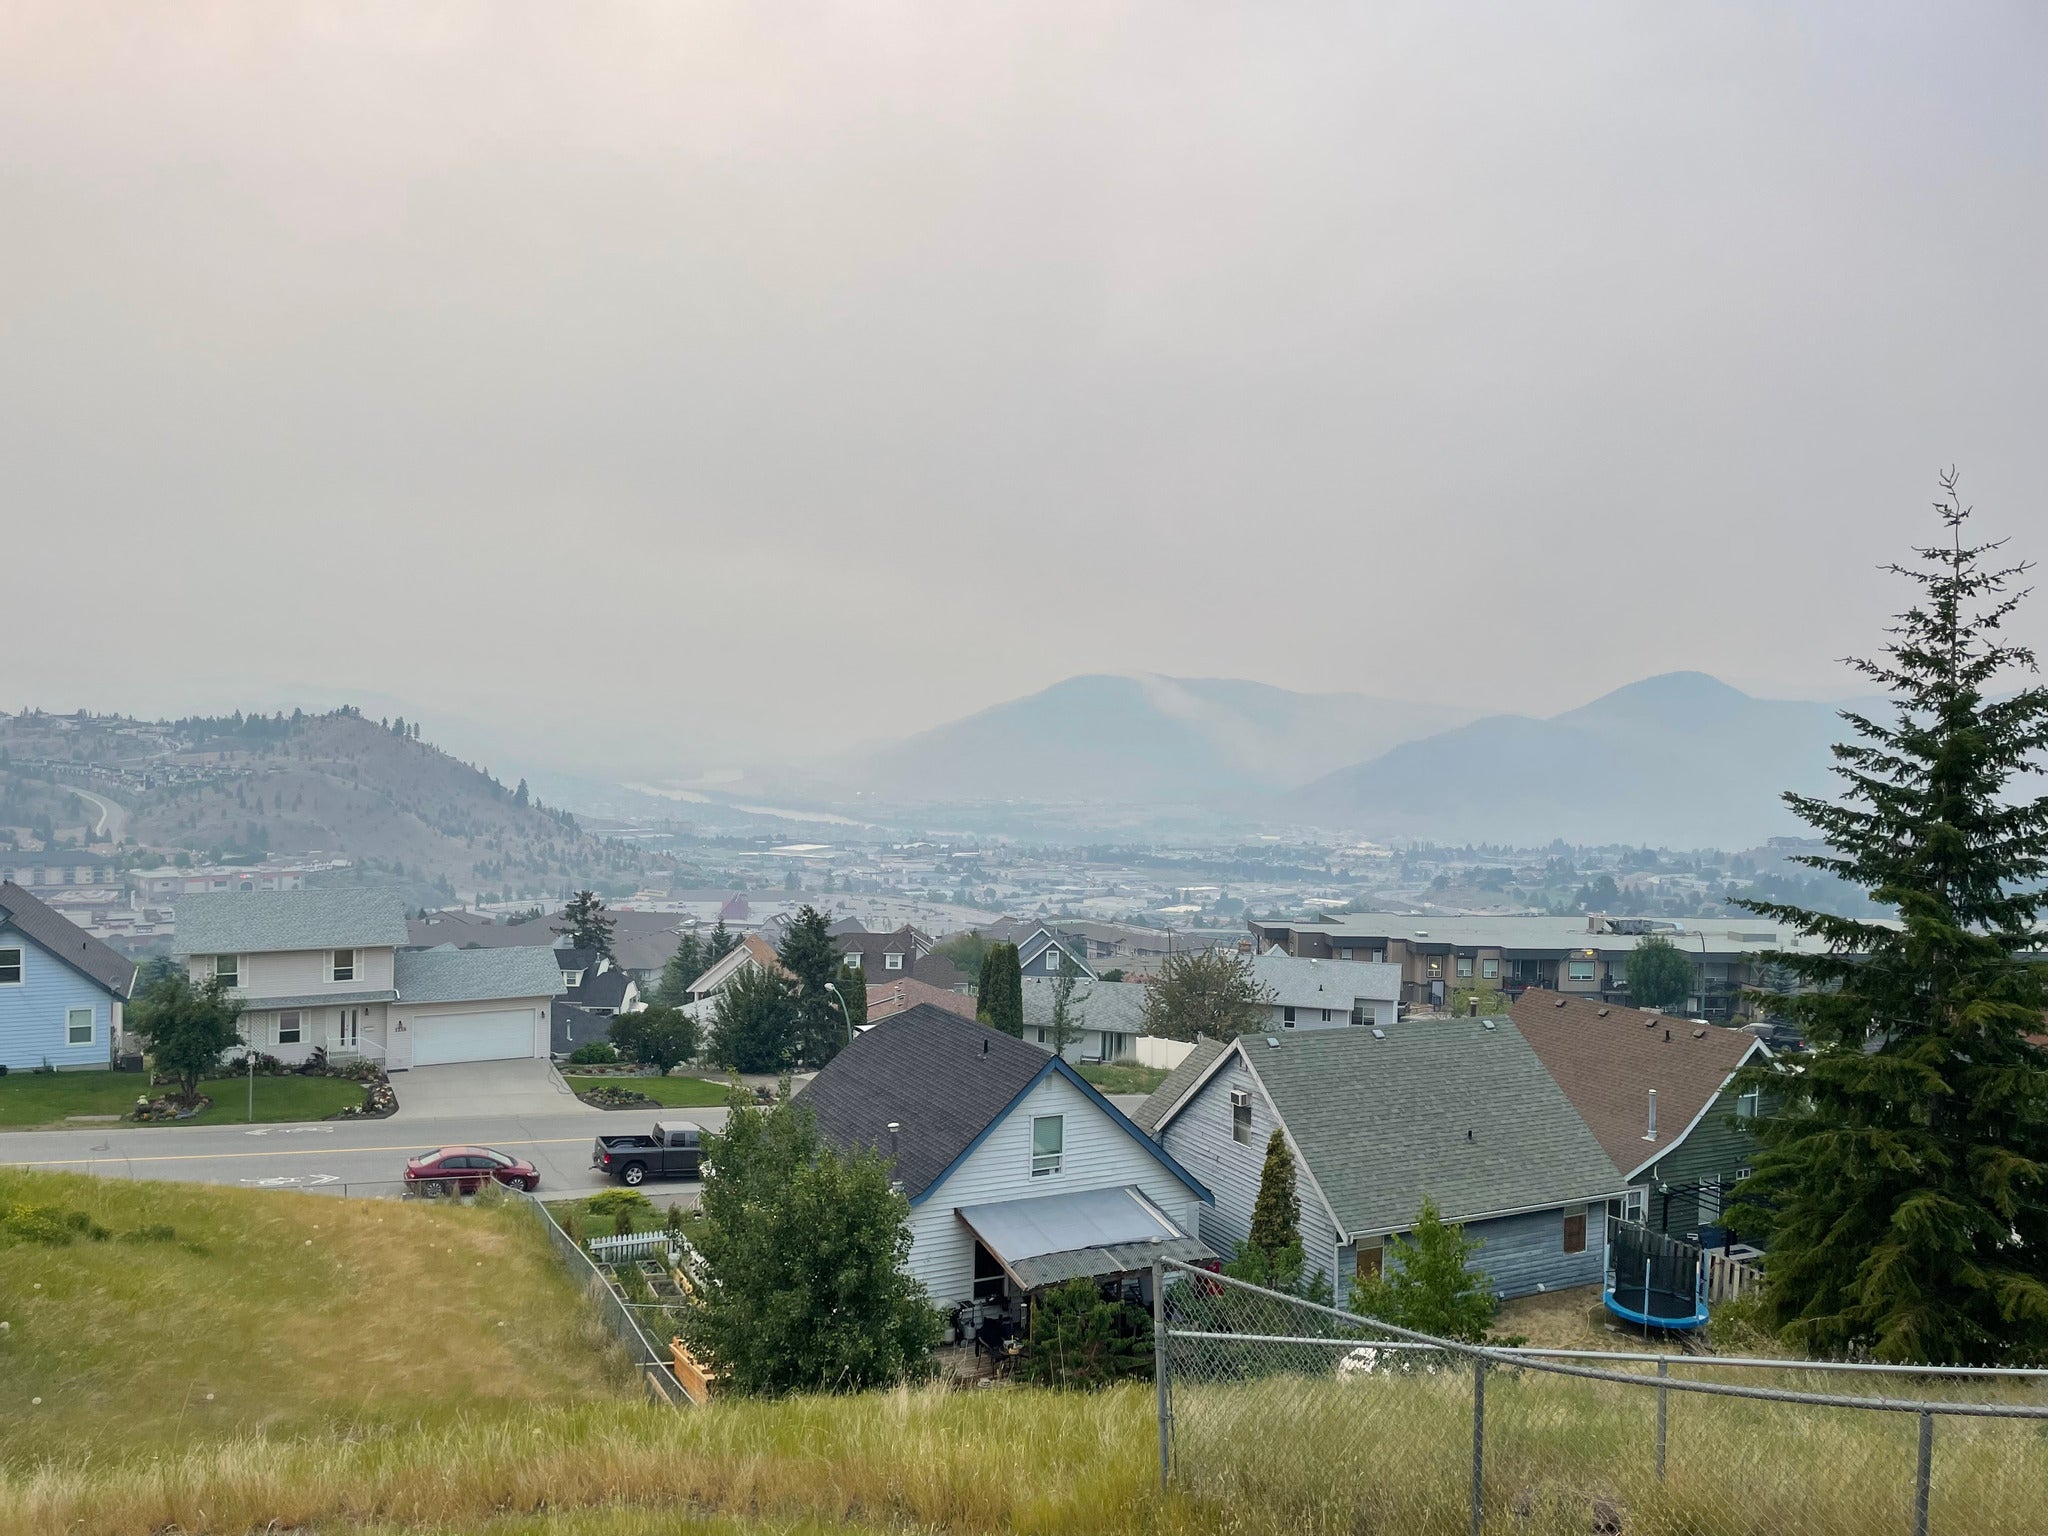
[(472, 975), (255, 922), (1443, 1108)]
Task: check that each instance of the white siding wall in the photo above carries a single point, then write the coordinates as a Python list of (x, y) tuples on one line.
[(1200, 1139), (1100, 1154), (317, 1026), (301, 972), (1379, 1011)]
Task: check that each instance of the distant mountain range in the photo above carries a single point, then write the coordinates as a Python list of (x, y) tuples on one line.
[(1146, 740), (1680, 761)]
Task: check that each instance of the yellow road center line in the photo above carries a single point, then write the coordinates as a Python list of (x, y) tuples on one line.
[(328, 1151)]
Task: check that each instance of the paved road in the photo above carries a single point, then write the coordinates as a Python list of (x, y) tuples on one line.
[(113, 822), (554, 1134)]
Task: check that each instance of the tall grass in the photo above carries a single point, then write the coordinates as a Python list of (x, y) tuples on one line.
[(1386, 1456)]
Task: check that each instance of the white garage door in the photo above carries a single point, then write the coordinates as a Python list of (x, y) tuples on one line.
[(442, 1037)]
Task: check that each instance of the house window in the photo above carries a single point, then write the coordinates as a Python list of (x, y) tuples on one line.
[(1579, 970), (78, 1026), (1747, 1105), (1042, 1040), (1048, 1143), (1052, 959), (1575, 1230), (1370, 1259), (1240, 1116), (1343, 954), (572, 979), (1326, 1015), (1464, 967), (1287, 1017), (227, 970), (1635, 1205), (344, 965), (1114, 1045), (10, 967), (1489, 970), (288, 1028), (348, 1020), (853, 961), (893, 961)]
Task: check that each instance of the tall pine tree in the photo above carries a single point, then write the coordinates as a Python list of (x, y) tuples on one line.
[(813, 959), (586, 923), (1276, 1214), (1001, 1004), (1903, 1182)]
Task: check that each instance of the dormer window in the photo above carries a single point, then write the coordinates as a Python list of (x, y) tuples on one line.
[(572, 979), (853, 960), (342, 966), (892, 961)]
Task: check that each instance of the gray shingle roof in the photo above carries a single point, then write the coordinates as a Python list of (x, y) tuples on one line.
[(1176, 1084), (1325, 983), (323, 999), (474, 975), (1117, 1005), (1447, 1109), (943, 1078), (254, 922), (50, 930)]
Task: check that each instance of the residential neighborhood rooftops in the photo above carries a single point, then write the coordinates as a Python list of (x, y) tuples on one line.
[(1178, 1084), (1111, 1005), (474, 975), (892, 995), (255, 922), (57, 934), (1460, 1111), (1607, 1059)]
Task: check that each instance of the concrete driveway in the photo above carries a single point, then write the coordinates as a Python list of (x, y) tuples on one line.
[(485, 1088)]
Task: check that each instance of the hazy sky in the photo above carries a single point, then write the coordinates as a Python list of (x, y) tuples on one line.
[(658, 384)]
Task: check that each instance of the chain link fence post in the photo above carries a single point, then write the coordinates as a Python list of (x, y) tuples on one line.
[(1478, 1442), (1159, 1369), (1923, 1477), (1663, 1411)]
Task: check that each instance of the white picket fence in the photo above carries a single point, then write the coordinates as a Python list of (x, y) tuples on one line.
[(636, 1245)]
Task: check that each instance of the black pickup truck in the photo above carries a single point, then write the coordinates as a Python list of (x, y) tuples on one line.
[(672, 1152)]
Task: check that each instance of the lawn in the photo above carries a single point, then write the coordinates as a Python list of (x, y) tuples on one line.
[(204, 1314), (576, 1216), (1124, 1077), (671, 1092), (46, 1098)]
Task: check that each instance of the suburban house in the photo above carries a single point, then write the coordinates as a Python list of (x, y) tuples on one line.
[(751, 950), (1326, 994), (1459, 1110), (1104, 945), (1655, 1092), (1019, 1173), (906, 952), (1045, 953), (327, 969), (1109, 1015), (62, 991), (591, 981), (642, 942)]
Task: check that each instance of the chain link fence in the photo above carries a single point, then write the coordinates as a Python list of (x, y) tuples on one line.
[(649, 1356), (1331, 1422)]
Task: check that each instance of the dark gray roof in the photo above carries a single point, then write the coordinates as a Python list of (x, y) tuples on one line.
[(570, 1026), (600, 989), (450, 975), (254, 922), (53, 932), (943, 1078), (1177, 1084), (1447, 1109), (1116, 1005)]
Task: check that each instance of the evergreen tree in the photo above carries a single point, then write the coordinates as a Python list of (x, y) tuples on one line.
[(1903, 1181), (587, 924), (521, 795), (1659, 974), (813, 959), (853, 987), (1001, 1004), (719, 945), (753, 1027), (1276, 1215)]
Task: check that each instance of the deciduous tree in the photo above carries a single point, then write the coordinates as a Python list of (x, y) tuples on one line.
[(189, 1028), (656, 1036), (1205, 992), (803, 1249), (1659, 974), (1903, 1181), (1427, 1282)]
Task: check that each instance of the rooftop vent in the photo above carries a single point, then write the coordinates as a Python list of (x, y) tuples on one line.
[(1605, 1011), (1699, 1034), (1562, 1001), (1273, 1041), (1378, 1033), (1488, 1023)]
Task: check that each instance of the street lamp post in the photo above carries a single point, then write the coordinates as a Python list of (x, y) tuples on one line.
[(844, 1012)]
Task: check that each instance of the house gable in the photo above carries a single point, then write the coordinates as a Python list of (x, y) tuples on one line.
[(1031, 956)]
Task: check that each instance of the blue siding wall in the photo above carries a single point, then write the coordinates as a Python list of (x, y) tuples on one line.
[(1199, 1138), (32, 1015), (1525, 1254)]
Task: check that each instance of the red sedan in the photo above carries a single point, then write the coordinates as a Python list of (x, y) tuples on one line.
[(462, 1170)]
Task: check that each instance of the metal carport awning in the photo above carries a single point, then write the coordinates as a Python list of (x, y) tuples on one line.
[(1045, 1239)]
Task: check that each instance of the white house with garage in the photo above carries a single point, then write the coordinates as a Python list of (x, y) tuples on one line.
[(328, 969)]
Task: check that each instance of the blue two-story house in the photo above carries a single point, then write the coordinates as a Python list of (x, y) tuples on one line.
[(61, 989), (1459, 1111)]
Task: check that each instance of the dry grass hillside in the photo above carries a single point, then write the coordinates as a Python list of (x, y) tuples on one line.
[(340, 784)]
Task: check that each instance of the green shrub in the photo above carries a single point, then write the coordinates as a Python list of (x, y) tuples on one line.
[(51, 1224), (1081, 1338), (594, 1053), (619, 1202)]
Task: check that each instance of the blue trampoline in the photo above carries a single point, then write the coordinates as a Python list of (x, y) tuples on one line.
[(1653, 1281)]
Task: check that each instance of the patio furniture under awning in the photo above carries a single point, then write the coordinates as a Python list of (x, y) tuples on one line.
[(1045, 1239)]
